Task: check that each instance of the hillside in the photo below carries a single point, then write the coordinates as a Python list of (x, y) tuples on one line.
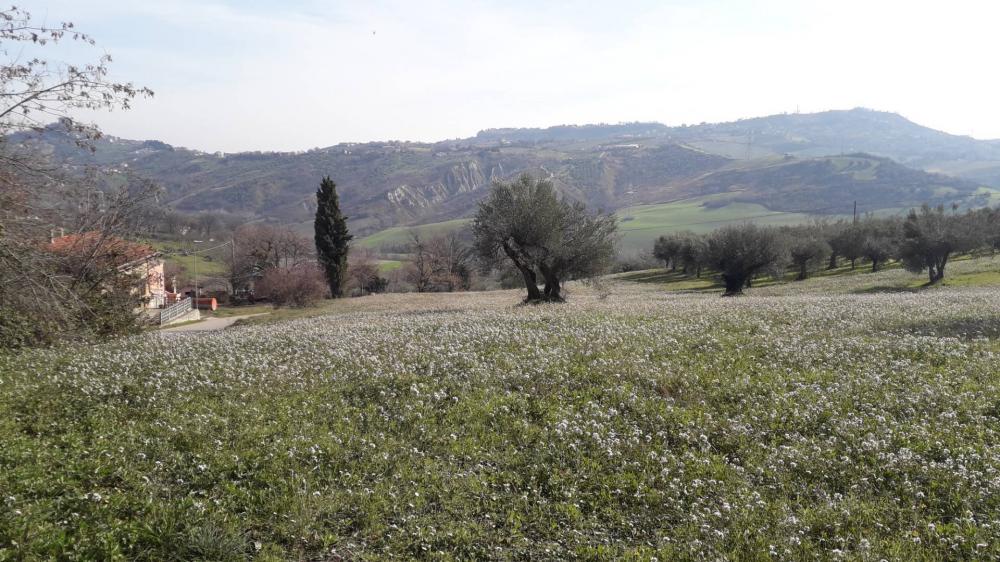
[(797, 164)]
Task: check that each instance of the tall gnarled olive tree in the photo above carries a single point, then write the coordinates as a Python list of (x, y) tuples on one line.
[(545, 236)]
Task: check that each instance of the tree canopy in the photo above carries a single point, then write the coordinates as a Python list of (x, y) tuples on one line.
[(542, 235), (332, 237)]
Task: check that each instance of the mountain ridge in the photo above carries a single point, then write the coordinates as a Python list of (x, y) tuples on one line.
[(777, 161)]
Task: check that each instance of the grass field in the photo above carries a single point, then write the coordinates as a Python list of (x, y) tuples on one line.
[(852, 416), (639, 226), (206, 264), (386, 266), (400, 235)]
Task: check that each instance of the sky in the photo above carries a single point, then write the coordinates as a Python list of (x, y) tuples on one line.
[(235, 75)]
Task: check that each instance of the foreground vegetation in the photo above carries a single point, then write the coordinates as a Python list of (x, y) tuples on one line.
[(791, 423)]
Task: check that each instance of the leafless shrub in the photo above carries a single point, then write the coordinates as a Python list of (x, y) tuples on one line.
[(296, 286)]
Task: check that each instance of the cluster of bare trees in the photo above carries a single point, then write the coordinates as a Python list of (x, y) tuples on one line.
[(82, 289), (171, 224), (924, 241), (439, 264), (274, 263)]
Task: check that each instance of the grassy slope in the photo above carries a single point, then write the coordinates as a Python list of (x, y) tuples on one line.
[(400, 235), (206, 264), (805, 418), (639, 227), (963, 271)]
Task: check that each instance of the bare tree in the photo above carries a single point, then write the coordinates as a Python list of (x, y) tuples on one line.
[(419, 272), (46, 295), (363, 273), (35, 91), (260, 247), (297, 285)]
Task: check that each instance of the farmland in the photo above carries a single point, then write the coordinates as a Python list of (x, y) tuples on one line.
[(852, 415), (639, 225)]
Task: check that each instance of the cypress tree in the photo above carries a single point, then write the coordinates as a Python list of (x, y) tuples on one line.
[(332, 237)]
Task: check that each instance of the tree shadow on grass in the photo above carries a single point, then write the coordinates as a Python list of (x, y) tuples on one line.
[(652, 276), (961, 328), (676, 280), (882, 289)]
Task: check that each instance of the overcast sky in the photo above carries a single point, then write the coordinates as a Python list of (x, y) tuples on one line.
[(295, 74)]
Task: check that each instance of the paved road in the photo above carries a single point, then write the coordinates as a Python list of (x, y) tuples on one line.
[(211, 324)]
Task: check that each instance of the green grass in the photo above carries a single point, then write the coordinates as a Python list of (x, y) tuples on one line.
[(639, 225), (227, 311), (803, 422), (386, 266), (963, 272), (206, 264), (400, 235), (642, 224)]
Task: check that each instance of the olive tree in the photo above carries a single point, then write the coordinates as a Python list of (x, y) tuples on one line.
[(848, 243), (807, 254), (542, 235), (740, 252), (667, 249), (879, 241), (931, 237), (693, 253)]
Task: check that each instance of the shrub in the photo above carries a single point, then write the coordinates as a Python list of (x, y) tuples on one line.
[(297, 286)]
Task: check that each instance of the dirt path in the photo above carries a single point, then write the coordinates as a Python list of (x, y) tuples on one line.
[(211, 324)]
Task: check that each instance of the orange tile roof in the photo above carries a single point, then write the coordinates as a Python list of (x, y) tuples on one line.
[(117, 250)]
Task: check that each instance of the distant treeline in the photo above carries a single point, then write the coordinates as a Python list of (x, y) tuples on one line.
[(923, 241)]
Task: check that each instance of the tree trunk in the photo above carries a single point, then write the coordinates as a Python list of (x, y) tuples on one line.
[(530, 283), (833, 262), (734, 285), (940, 268), (803, 272), (530, 279), (874, 266), (553, 289), (853, 263)]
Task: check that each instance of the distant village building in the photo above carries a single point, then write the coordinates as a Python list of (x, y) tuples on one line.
[(130, 258)]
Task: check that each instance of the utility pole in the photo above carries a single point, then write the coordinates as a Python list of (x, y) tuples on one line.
[(195, 279), (232, 265)]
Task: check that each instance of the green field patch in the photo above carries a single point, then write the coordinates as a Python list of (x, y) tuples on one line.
[(181, 253), (386, 266), (400, 235), (642, 224)]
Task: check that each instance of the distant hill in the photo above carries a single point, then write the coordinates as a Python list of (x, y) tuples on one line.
[(814, 163)]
